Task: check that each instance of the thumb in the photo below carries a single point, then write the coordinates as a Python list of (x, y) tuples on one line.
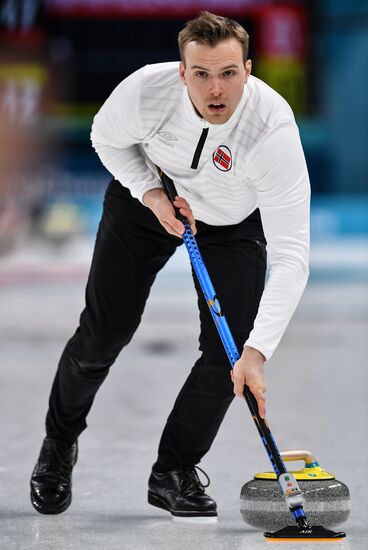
[(172, 220), (173, 225), (176, 225)]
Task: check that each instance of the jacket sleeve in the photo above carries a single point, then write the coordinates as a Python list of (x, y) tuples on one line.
[(279, 176), (117, 138)]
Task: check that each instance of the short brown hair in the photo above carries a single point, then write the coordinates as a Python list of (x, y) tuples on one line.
[(211, 29)]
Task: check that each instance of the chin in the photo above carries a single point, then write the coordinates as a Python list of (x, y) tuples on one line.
[(218, 119)]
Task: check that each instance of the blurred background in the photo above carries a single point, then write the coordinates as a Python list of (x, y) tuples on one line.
[(60, 59)]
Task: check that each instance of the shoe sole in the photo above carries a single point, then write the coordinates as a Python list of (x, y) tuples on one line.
[(42, 509), (159, 502)]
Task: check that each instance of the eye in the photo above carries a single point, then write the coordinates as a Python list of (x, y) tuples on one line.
[(229, 73), (201, 74)]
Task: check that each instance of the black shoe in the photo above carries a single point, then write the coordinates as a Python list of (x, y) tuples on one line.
[(51, 481), (181, 492)]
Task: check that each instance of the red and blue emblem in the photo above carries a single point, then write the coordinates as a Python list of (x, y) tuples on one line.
[(222, 158)]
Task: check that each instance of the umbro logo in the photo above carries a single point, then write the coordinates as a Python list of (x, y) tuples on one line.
[(168, 136)]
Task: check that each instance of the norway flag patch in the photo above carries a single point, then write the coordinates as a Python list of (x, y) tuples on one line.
[(222, 158)]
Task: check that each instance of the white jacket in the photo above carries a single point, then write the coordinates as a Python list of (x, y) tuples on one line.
[(253, 160)]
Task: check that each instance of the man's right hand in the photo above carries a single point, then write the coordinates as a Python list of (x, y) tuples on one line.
[(157, 201)]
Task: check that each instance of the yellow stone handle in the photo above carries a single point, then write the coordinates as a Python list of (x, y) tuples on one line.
[(310, 470), (298, 455)]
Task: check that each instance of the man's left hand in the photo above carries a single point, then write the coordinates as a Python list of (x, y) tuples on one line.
[(249, 370)]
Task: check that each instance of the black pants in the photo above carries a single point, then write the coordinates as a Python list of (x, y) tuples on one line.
[(131, 247)]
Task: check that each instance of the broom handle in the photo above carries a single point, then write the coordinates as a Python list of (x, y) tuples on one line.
[(222, 327)]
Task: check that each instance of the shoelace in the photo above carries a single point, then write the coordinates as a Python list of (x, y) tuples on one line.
[(191, 479)]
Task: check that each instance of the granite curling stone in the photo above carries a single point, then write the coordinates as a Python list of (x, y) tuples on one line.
[(327, 500)]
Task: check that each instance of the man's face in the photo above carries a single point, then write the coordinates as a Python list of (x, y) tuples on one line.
[(215, 77)]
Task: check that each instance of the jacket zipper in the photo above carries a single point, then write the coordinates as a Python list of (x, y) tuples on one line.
[(199, 148)]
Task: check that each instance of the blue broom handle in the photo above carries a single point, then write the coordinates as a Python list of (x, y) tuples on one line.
[(210, 295)]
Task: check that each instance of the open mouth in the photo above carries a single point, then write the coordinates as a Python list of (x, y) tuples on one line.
[(216, 107)]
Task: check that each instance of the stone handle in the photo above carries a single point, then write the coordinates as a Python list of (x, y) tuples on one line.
[(298, 455)]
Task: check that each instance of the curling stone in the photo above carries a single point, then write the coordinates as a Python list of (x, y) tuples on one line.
[(327, 500)]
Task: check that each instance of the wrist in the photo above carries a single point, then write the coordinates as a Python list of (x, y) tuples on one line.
[(255, 355), (151, 197)]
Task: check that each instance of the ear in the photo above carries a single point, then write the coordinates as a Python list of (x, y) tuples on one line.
[(248, 69), (182, 72)]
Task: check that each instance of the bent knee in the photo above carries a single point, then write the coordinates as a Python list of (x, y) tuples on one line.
[(214, 375), (92, 354)]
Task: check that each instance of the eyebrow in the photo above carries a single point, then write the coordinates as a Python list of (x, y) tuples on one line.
[(232, 66)]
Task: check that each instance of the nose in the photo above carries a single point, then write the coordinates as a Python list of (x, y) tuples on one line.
[(216, 88)]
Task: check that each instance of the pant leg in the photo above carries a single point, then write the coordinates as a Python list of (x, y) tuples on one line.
[(131, 247), (235, 257)]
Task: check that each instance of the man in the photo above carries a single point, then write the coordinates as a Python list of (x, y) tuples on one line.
[(231, 145)]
